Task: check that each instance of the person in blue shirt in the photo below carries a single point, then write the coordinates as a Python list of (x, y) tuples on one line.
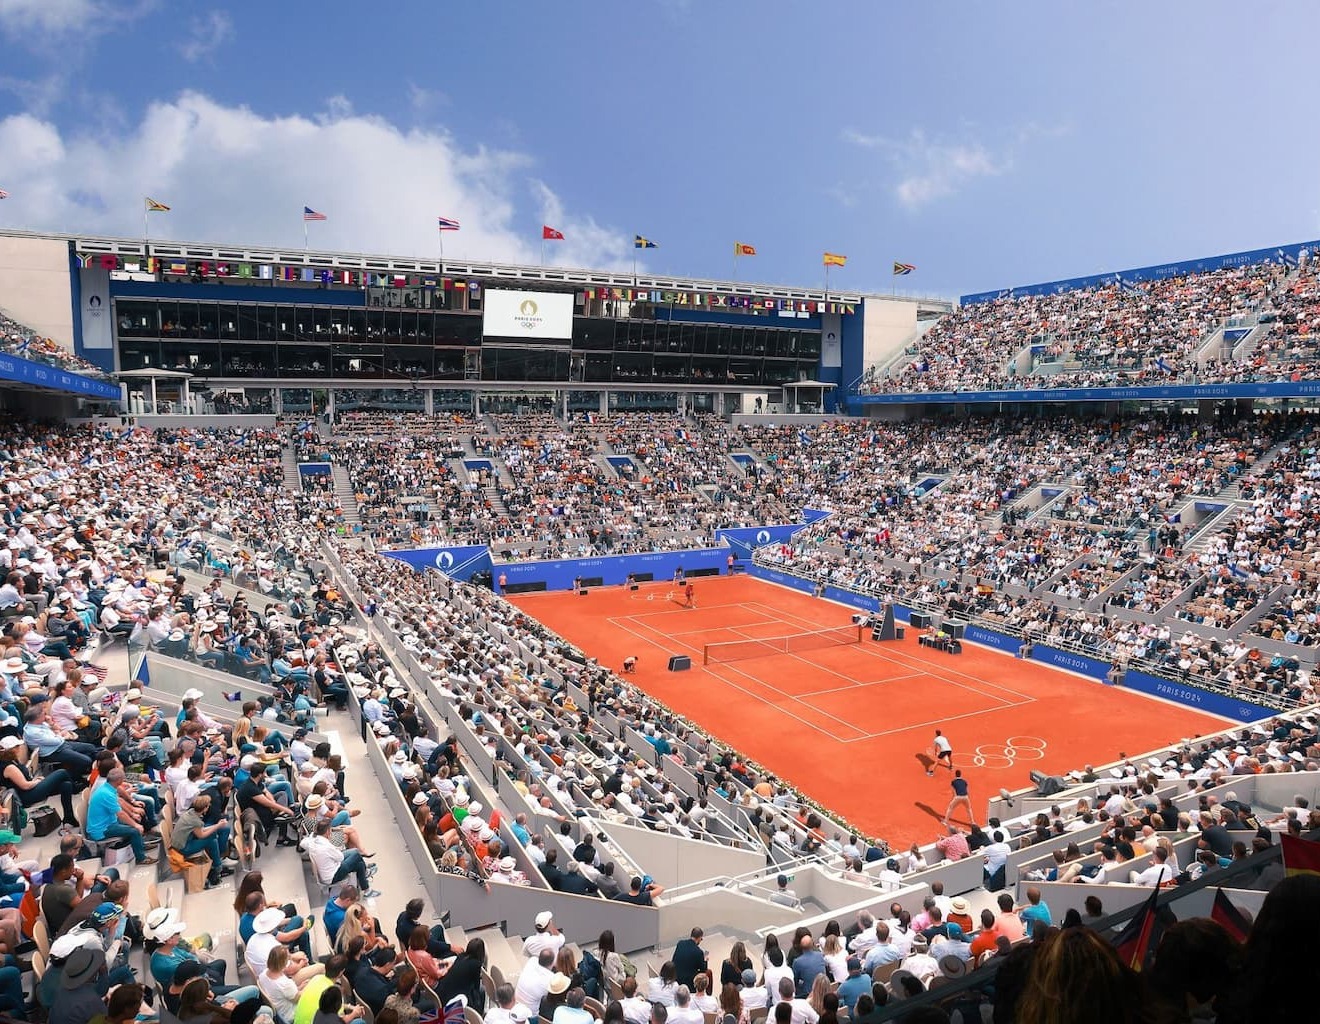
[(855, 985), (1035, 912), (54, 748), (107, 818)]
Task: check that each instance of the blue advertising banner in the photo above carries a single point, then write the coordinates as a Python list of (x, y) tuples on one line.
[(815, 515), (1214, 703), (613, 570), (25, 371), (314, 469), (864, 602), (786, 579), (746, 539), (457, 563), (1079, 663), (1284, 254), (989, 638), (1180, 392)]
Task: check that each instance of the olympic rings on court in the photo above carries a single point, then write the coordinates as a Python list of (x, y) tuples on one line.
[(1002, 755)]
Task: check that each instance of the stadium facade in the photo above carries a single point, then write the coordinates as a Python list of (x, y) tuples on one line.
[(277, 330)]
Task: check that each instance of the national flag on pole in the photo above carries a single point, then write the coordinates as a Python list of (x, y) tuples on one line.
[(644, 243), (550, 234), (1300, 856), (1232, 919), (1137, 942), (155, 207), (903, 268), (310, 214), (446, 224), (143, 673), (743, 249), (833, 259)]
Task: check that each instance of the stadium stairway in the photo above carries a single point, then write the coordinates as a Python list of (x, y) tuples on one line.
[(289, 463), (346, 496)]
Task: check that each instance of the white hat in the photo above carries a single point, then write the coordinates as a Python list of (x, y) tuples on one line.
[(472, 823), (248, 761), (13, 665), (398, 691), (517, 1012), (461, 798), (507, 863), (419, 799), (543, 919), (268, 920), (194, 693), (64, 946), (487, 834), (314, 802), (133, 694), (10, 742), (399, 757), (157, 919)]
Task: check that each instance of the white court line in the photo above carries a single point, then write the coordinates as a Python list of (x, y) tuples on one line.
[(815, 665), (666, 637), (729, 682), (912, 661), (937, 721), (860, 685), (787, 696)]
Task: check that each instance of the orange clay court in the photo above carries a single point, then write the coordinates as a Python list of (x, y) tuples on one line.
[(852, 725)]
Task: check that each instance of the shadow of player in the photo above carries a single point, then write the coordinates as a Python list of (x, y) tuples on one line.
[(928, 809)]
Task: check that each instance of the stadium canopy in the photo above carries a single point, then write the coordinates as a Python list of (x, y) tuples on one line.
[(814, 388)]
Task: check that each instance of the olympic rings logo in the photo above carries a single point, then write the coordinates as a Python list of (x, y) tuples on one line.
[(1003, 755)]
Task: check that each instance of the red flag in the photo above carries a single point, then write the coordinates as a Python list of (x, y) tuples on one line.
[(1233, 920), (1137, 942), (548, 233), (1300, 856)]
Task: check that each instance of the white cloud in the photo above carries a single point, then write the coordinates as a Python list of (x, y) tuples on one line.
[(929, 169), (206, 35), (48, 16), (233, 175)]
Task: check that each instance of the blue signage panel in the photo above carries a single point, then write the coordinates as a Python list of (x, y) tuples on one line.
[(460, 563), (1284, 254), (25, 371), (746, 539), (1173, 392), (314, 469), (612, 569), (1214, 703), (865, 602), (786, 579), (815, 515), (989, 638), (1079, 663)]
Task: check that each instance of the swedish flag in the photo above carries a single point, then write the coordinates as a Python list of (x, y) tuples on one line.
[(644, 243)]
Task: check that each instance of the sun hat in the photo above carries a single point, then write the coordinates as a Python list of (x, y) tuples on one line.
[(193, 693), (419, 799), (314, 802), (507, 863), (959, 905), (558, 983), (268, 920), (10, 742), (82, 966)]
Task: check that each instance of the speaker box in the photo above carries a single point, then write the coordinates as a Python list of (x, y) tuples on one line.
[(582, 592), (955, 629), (633, 587), (679, 663), (920, 620)]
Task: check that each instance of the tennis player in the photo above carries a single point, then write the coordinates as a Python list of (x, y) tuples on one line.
[(630, 664), (943, 753), (960, 798), (691, 594)]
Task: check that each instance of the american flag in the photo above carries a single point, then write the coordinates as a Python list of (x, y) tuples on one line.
[(310, 214), (447, 225)]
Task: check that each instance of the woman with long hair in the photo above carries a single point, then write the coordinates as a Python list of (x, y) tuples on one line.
[(1077, 977), (427, 967), (611, 963), (731, 1003), (836, 957), (14, 776), (664, 988), (771, 942), (734, 964), (464, 977), (358, 923), (816, 997)]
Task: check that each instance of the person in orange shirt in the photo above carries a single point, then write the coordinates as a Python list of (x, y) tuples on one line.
[(988, 937)]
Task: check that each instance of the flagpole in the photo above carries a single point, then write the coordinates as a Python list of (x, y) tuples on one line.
[(304, 232), (145, 232)]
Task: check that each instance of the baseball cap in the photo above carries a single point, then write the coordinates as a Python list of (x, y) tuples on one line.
[(543, 919)]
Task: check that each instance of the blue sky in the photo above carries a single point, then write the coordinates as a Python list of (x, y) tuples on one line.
[(988, 148)]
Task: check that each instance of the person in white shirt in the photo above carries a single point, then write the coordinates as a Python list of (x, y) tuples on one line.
[(1157, 874), (664, 989), (684, 1012), (753, 996), (775, 971), (636, 1009), (534, 982), (920, 962), (889, 879), (996, 854), (506, 1010), (802, 1010), (545, 937), (701, 998)]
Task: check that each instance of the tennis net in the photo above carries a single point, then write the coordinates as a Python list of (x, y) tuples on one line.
[(740, 650)]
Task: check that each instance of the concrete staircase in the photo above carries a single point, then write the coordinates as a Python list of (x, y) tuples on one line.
[(346, 496), (289, 463)]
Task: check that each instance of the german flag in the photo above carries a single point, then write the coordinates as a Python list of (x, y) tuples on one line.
[(1300, 856), (1232, 919), (155, 207), (1137, 942)]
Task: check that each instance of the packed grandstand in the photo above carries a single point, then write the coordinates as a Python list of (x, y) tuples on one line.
[(208, 648)]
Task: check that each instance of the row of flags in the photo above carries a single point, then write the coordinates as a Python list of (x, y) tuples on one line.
[(1137, 943), (549, 234)]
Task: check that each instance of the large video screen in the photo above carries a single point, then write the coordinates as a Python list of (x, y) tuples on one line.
[(537, 316)]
